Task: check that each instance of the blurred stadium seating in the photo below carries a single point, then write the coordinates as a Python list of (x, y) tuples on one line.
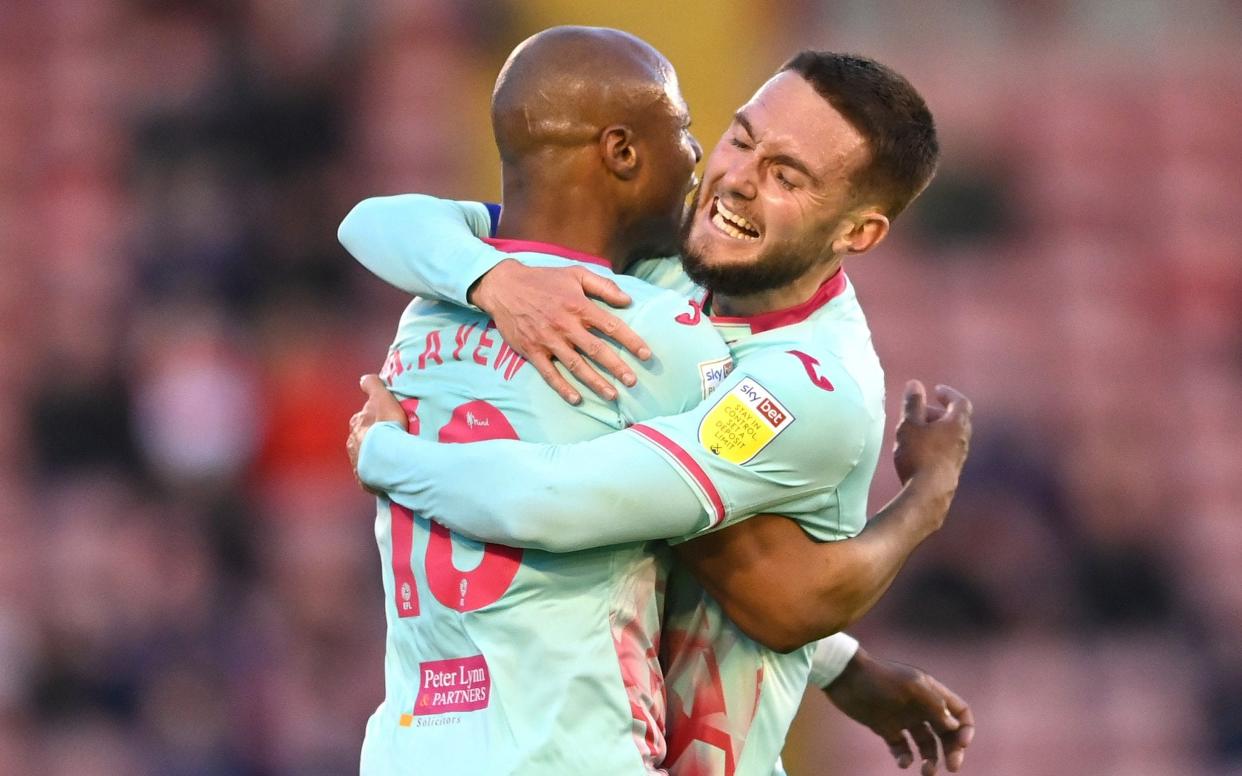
[(187, 576)]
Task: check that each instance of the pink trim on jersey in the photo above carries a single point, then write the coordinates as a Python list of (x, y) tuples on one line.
[(758, 693), (828, 290), (530, 246), (687, 463)]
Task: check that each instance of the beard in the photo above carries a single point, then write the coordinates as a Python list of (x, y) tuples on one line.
[(777, 266)]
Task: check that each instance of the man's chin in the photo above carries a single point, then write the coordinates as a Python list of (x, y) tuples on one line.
[(752, 275), (730, 280)]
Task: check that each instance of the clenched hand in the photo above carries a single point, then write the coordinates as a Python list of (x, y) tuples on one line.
[(933, 439)]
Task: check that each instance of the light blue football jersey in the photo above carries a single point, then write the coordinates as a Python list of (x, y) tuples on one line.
[(507, 661), (795, 430)]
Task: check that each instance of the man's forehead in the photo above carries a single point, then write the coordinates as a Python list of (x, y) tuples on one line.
[(787, 112)]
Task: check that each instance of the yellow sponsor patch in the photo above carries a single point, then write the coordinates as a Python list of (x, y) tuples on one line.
[(743, 422)]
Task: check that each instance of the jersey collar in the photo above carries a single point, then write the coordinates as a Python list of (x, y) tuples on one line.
[(530, 246), (774, 319)]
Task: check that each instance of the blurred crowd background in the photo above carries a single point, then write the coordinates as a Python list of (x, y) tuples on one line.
[(188, 582)]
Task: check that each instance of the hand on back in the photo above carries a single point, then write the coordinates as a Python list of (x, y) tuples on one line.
[(546, 314)]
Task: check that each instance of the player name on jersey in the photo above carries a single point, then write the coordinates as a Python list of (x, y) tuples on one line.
[(469, 342)]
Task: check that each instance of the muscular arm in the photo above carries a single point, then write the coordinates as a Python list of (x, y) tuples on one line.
[(746, 567), (430, 247), (837, 582), (534, 498), (632, 485)]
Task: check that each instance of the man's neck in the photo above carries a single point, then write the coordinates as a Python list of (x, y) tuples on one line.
[(788, 295), (568, 216)]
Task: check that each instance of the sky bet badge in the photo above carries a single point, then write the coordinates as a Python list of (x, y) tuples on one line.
[(713, 373), (743, 422)]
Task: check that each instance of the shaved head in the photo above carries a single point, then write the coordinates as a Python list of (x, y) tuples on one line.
[(595, 144), (561, 87)]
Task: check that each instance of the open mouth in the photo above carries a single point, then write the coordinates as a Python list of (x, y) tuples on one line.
[(733, 224)]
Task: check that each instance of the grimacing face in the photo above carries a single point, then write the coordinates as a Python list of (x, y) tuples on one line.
[(776, 192)]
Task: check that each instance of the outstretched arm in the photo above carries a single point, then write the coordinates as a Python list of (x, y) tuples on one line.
[(432, 247), (837, 582), (533, 496), (662, 478), (422, 245), (558, 498)]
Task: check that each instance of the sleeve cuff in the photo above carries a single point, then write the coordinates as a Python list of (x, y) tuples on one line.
[(480, 259), (831, 657)]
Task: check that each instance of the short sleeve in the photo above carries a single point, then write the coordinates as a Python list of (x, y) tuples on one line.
[(779, 435)]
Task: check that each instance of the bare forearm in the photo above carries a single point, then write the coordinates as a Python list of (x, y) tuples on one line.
[(826, 586), (835, 583), (856, 573)]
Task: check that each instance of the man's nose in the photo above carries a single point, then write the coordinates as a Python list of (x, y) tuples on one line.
[(739, 179)]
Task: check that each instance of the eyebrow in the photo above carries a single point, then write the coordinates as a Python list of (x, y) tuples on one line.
[(740, 117), (782, 159)]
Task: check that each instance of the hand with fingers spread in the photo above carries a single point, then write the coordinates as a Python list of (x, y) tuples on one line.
[(900, 704), (933, 439), (380, 406), (547, 313)]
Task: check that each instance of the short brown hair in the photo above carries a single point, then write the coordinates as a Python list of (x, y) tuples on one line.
[(889, 113)]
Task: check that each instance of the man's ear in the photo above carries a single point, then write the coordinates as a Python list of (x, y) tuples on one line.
[(616, 147), (868, 230)]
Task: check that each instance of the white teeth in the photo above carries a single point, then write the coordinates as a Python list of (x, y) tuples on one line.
[(720, 223), (735, 218)]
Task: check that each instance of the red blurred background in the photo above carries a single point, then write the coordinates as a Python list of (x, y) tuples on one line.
[(187, 576)]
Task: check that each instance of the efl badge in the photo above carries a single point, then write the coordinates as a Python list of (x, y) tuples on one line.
[(743, 422), (713, 373)]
